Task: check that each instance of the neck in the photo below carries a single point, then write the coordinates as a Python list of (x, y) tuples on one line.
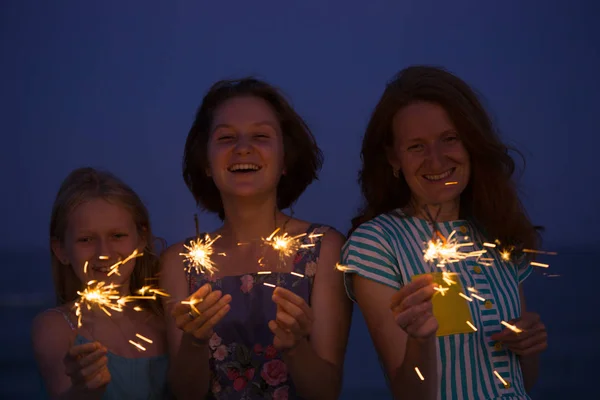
[(250, 219), (449, 211)]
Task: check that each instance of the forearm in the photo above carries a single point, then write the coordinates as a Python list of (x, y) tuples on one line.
[(530, 366), (189, 371), (313, 377), (406, 383)]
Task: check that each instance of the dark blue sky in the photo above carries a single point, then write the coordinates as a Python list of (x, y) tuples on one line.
[(115, 84)]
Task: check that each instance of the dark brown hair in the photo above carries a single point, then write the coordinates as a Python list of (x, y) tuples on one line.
[(84, 184), (303, 158), (490, 199)]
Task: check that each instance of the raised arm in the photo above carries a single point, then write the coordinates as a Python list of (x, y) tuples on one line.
[(316, 366)]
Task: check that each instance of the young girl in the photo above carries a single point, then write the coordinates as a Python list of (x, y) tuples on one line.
[(265, 324), (96, 222), (444, 170)]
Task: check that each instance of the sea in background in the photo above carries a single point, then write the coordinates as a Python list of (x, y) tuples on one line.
[(568, 305)]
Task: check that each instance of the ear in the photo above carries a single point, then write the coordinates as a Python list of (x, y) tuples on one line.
[(59, 251), (207, 172), (392, 158), (143, 239)]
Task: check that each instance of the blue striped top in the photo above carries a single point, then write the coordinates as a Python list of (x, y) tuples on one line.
[(389, 250)]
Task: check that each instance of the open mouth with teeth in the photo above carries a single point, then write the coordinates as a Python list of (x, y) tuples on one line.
[(439, 177), (244, 168), (101, 268)]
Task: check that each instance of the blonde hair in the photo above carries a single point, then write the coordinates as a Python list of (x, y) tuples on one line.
[(84, 184)]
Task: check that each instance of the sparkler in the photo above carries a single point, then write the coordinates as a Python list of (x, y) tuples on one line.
[(97, 294), (286, 245), (106, 297), (200, 251), (448, 250), (114, 269), (199, 255)]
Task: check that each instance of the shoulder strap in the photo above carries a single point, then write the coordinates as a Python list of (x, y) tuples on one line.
[(66, 316)]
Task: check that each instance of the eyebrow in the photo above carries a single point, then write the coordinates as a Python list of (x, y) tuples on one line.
[(442, 133), (255, 124)]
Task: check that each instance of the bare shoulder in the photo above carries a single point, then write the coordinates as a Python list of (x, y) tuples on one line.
[(172, 253), (330, 254), (332, 240), (50, 331), (172, 274)]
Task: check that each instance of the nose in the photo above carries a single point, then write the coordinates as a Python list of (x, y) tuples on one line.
[(103, 249), (243, 145), (434, 156)]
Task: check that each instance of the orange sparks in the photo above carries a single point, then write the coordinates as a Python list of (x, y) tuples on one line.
[(477, 297), (268, 284), (448, 250), (451, 183), (501, 379), (537, 264), (114, 269), (192, 303), (342, 268), (139, 346), (199, 254), (419, 373), (550, 253), (442, 238), (464, 296), (441, 290), (144, 338), (511, 327), (505, 255), (472, 326)]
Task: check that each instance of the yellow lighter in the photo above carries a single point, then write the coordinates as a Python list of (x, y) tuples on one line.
[(449, 308)]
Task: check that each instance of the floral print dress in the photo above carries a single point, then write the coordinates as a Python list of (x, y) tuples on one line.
[(243, 362)]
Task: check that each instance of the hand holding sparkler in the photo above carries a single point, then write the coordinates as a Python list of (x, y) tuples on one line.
[(293, 321), (413, 309), (524, 336), (198, 314), (87, 366)]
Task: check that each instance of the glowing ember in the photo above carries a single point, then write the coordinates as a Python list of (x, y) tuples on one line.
[(501, 379), (199, 255), (448, 250), (285, 245), (511, 327), (419, 373), (464, 296), (342, 268), (98, 294), (114, 269)]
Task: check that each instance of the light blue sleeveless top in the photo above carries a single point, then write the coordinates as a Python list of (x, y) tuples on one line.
[(142, 378)]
